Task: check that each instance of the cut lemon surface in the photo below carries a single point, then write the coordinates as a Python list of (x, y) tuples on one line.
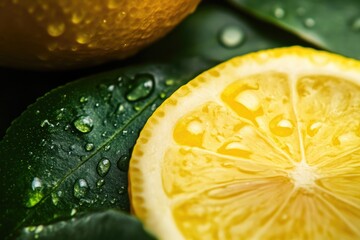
[(263, 146)]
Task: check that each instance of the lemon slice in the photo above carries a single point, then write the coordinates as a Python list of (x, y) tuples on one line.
[(262, 146)]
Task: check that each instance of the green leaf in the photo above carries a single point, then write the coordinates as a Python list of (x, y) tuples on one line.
[(332, 25), (110, 225), (69, 151)]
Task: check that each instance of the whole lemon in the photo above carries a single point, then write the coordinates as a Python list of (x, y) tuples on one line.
[(67, 34)]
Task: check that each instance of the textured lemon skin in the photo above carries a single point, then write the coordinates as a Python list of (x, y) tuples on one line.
[(65, 34)]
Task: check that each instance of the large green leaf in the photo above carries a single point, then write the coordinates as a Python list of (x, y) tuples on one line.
[(69, 151), (107, 225), (330, 24)]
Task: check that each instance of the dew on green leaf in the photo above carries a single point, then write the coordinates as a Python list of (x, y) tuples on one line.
[(231, 36), (100, 183), (73, 212), (144, 86), (111, 88), (309, 22), (81, 187), (107, 147), (279, 12), (47, 123), (83, 99), (123, 163), (120, 108), (84, 124), (162, 95), (55, 198), (103, 167), (169, 82), (137, 107), (122, 190), (36, 194), (355, 25), (89, 147)]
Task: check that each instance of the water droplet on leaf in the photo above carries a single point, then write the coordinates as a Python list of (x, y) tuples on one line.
[(309, 22), (100, 183), (279, 12), (36, 194), (231, 36), (123, 163), (103, 167), (83, 99), (80, 188), (144, 86), (84, 124), (355, 25), (89, 147)]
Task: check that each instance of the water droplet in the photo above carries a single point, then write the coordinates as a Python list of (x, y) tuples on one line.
[(55, 198), (84, 124), (82, 38), (144, 86), (122, 190), (249, 99), (137, 106), (123, 163), (36, 183), (162, 95), (120, 108), (80, 188), (103, 167), (46, 123), (279, 12), (309, 22), (73, 212), (89, 147), (56, 29), (355, 25), (231, 36), (36, 195), (83, 99), (107, 147), (169, 82), (313, 128), (100, 183), (77, 17), (111, 88), (281, 126)]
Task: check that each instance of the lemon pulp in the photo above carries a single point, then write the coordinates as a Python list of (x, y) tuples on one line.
[(265, 146)]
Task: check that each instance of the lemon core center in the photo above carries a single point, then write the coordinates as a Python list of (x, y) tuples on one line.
[(303, 175)]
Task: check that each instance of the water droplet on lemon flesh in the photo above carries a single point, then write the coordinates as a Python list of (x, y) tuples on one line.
[(263, 146)]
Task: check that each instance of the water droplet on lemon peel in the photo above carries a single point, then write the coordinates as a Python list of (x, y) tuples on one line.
[(74, 27)]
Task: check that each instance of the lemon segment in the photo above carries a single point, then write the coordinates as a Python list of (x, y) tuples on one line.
[(262, 146)]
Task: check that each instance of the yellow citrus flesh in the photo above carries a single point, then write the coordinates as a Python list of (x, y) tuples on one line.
[(263, 146), (62, 34)]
